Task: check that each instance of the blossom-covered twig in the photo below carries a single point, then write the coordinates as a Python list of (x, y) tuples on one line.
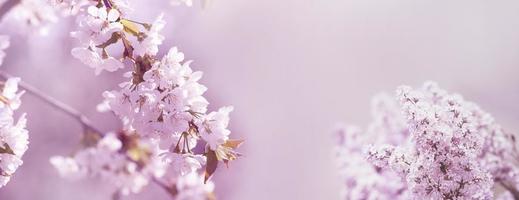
[(83, 120), (161, 106)]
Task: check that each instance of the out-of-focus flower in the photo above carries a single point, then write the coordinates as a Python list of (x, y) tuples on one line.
[(14, 138), (361, 179), (4, 43), (30, 16), (192, 187), (122, 159), (388, 126), (69, 7), (67, 166), (182, 164)]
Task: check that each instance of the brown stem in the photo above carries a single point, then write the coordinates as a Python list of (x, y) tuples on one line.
[(7, 6), (511, 189), (170, 190), (83, 120)]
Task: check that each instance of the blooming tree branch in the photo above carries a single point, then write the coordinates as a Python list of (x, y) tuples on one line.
[(161, 106), (83, 120), (168, 137)]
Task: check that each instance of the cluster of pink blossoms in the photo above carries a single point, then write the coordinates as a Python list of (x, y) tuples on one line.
[(439, 145), (14, 138), (361, 179), (168, 136)]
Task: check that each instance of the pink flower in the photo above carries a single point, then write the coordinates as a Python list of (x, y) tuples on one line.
[(13, 135), (445, 147), (93, 60)]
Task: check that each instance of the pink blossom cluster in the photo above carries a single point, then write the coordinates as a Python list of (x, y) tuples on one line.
[(439, 145), (123, 160), (168, 135), (361, 179), (14, 137)]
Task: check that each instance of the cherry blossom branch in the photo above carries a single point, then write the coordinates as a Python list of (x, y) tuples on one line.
[(170, 190), (7, 6), (182, 118), (83, 120)]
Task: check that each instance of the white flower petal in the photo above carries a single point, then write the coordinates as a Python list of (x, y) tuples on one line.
[(113, 15)]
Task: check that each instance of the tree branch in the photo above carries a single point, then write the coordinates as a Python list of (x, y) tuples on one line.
[(7, 6), (83, 120), (511, 189), (170, 190)]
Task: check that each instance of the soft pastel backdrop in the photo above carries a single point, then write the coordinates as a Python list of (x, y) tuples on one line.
[(292, 69)]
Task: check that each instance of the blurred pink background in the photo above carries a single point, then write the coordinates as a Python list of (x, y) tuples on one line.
[(292, 69)]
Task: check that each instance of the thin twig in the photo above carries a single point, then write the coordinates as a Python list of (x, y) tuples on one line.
[(7, 6), (164, 186), (85, 122), (511, 189)]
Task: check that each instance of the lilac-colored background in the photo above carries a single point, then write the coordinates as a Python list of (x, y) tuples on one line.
[(292, 69)]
